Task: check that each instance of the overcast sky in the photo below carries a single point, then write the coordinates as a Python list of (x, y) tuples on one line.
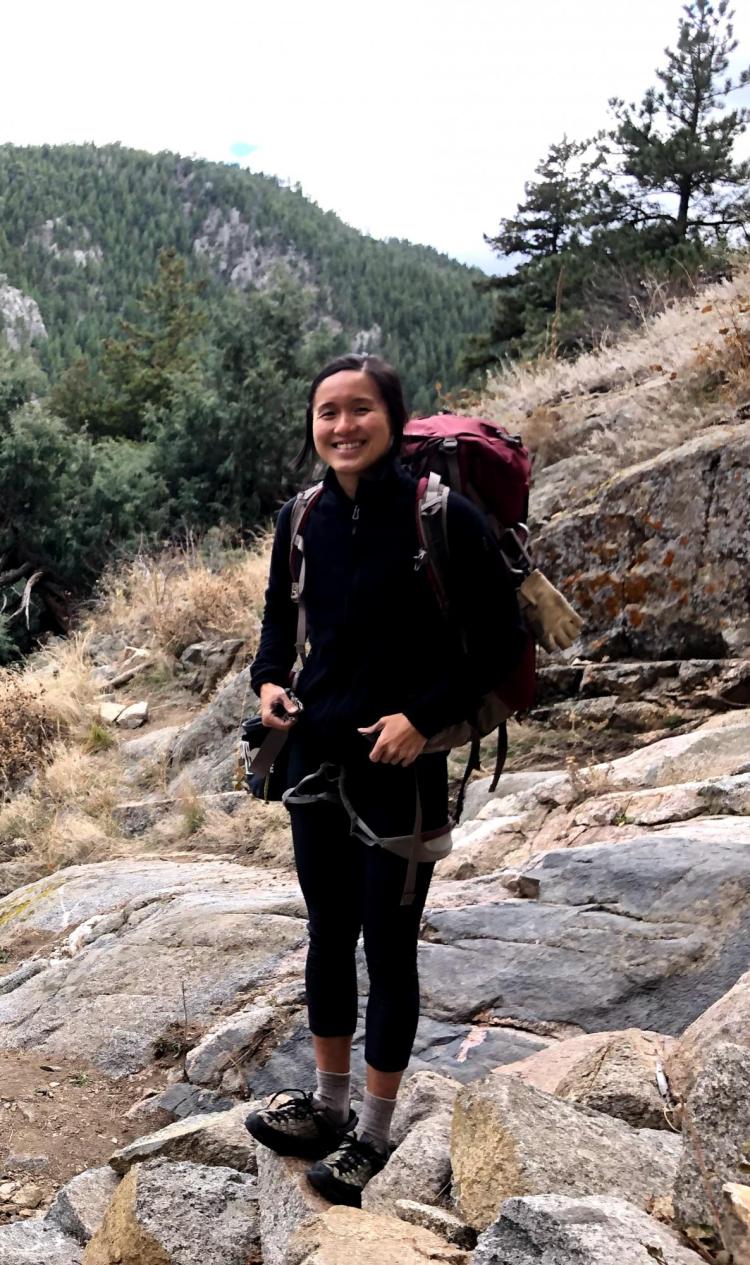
[(418, 119)]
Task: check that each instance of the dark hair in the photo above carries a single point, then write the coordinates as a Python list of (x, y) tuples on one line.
[(388, 383)]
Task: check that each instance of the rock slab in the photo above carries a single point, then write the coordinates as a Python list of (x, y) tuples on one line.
[(553, 1230), (216, 1138), (510, 1139), (645, 933), (346, 1236), (34, 1243)]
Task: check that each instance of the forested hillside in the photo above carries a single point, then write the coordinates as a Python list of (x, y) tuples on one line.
[(81, 227)]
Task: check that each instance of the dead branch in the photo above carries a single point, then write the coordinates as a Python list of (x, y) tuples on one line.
[(17, 573), (128, 675)]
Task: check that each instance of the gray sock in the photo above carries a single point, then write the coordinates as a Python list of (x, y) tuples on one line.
[(333, 1093), (375, 1121)]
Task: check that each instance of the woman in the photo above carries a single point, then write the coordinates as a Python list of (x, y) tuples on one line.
[(385, 672)]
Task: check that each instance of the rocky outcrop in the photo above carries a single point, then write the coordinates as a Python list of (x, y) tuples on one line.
[(203, 756), (142, 930), (20, 319), (646, 559), (510, 1139), (234, 250)]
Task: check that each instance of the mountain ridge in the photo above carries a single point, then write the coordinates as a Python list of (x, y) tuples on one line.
[(81, 225)]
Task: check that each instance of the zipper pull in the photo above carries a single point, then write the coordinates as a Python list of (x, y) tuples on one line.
[(355, 519)]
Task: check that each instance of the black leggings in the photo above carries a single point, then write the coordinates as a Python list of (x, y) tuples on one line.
[(350, 887)]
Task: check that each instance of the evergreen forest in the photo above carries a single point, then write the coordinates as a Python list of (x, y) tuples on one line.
[(186, 305)]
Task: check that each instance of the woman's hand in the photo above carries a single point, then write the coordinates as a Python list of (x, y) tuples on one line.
[(277, 711), (398, 741)]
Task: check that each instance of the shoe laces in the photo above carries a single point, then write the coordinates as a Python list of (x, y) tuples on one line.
[(353, 1153), (300, 1107)]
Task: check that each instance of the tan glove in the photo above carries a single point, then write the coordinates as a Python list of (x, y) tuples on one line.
[(549, 615)]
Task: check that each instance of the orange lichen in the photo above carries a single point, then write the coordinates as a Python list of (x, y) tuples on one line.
[(635, 587), (668, 558), (635, 618)]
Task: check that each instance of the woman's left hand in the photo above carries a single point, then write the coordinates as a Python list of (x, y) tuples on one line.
[(398, 742)]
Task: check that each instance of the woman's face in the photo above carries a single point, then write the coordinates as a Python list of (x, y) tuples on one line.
[(351, 426)]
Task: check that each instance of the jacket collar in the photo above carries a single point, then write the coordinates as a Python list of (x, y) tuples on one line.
[(374, 485)]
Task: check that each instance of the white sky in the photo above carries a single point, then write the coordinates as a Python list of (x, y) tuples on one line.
[(410, 118)]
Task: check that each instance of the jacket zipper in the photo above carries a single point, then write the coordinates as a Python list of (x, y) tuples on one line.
[(355, 519)]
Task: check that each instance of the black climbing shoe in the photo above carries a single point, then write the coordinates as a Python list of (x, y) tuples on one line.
[(342, 1176), (298, 1126)]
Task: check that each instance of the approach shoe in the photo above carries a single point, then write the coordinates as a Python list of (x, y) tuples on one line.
[(297, 1126), (342, 1176)]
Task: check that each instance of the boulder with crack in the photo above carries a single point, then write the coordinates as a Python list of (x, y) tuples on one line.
[(510, 1139), (716, 1131), (179, 1214)]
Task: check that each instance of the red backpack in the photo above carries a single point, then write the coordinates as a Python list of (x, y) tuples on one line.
[(480, 460)]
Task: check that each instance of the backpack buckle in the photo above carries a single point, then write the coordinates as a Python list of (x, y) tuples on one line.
[(517, 556)]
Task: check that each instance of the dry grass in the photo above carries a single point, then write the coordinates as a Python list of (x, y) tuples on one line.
[(166, 602), (60, 769), (63, 815), (687, 368)]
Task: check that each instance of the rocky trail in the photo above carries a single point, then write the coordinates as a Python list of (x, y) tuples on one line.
[(580, 1087), (587, 919)]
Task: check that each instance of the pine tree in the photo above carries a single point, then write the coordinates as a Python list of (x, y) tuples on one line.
[(679, 142), (554, 214)]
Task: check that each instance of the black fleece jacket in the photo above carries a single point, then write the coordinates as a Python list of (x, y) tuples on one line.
[(379, 643)]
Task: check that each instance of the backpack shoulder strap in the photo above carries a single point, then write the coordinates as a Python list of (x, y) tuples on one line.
[(304, 502), (432, 533)]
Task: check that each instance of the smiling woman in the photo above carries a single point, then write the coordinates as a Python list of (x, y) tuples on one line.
[(351, 427), (369, 808)]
